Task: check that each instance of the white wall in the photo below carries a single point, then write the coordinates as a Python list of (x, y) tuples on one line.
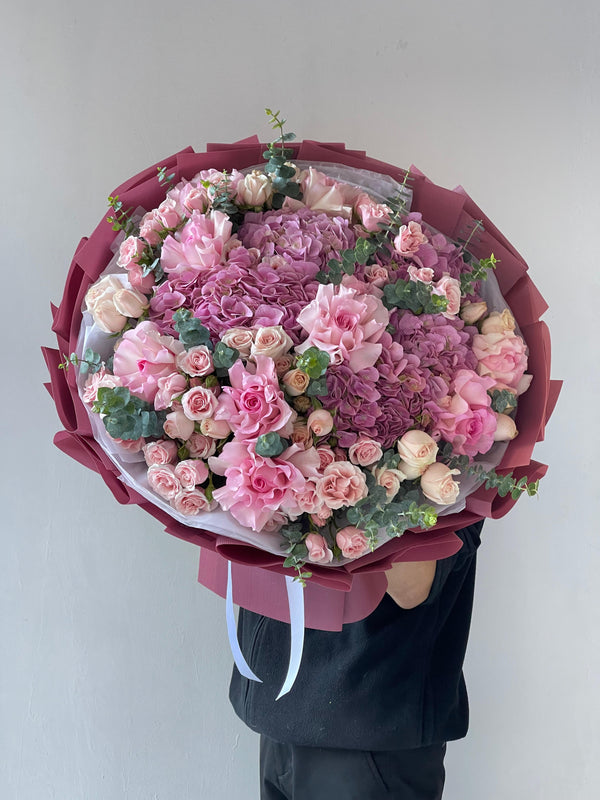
[(115, 664)]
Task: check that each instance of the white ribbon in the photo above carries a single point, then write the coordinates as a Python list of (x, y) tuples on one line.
[(296, 605)]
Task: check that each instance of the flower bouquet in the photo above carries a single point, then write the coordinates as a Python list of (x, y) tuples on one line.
[(317, 366)]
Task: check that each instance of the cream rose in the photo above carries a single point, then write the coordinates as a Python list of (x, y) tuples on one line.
[(271, 341), (239, 339), (437, 484), (417, 449), (295, 382), (499, 322), (505, 428), (470, 313), (255, 189), (390, 479)]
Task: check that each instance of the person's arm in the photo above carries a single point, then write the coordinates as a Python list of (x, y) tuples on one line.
[(409, 582)]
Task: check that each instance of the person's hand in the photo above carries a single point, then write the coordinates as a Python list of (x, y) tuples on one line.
[(409, 582)]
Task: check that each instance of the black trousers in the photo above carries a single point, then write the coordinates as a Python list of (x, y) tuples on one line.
[(289, 772)]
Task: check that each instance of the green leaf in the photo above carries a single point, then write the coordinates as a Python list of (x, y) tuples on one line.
[(225, 357), (270, 445)]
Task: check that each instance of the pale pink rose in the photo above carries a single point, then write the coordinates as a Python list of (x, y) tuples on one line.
[(169, 213), (417, 449), (318, 552), (107, 318), (130, 302), (471, 313), (352, 542), (502, 356), (99, 379), (163, 480), (217, 178), (499, 322), (283, 364), (130, 251), (505, 428), (196, 361), (215, 429), (200, 446), (422, 274), (254, 404), (255, 487), (370, 213), (142, 356), (346, 324), (524, 383), (410, 472), (163, 451), (150, 228), (365, 451), (131, 445), (199, 403), (307, 500), (320, 422), (377, 275), (275, 523), (255, 189), (190, 472), (272, 341), (301, 435), (137, 279), (322, 517), (342, 484), (326, 456), (410, 237), (169, 388), (105, 287), (191, 502), (390, 479), (239, 339), (450, 289), (322, 193), (178, 426), (296, 382), (438, 486)]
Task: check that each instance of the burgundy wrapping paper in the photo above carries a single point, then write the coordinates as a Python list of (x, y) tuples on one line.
[(347, 593)]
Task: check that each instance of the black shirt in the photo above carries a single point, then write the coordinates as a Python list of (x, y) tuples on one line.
[(391, 681)]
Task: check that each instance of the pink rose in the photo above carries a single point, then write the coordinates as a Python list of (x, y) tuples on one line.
[(417, 449), (390, 479), (150, 228), (169, 213), (191, 502), (163, 480), (322, 193), (502, 356), (196, 361), (131, 445), (190, 472), (254, 404), (365, 451), (422, 274), (307, 500), (377, 275), (130, 251), (198, 246), (163, 451), (199, 403), (178, 426), (200, 446), (272, 341), (352, 542), (450, 289), (142, 356), (169, 388), (283, 364), (342, 484), (215, 429), (437, 484), (346, 324), (318, 552), (194, 197), (99, 379), (255, 487), (410, 237), (320, 422), (326, 456), (301, 435), (370, 213), (137, 279)]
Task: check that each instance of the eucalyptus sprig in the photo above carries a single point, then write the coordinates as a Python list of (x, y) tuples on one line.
[(164, 179), (121, 219), (126, 416), (296, 550), (416, 296), (479, 272), (346, 263), (91, 361), (219, 194), (277, 156), (506, 484)]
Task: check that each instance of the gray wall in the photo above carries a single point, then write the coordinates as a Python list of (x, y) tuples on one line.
[(115, 662)]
